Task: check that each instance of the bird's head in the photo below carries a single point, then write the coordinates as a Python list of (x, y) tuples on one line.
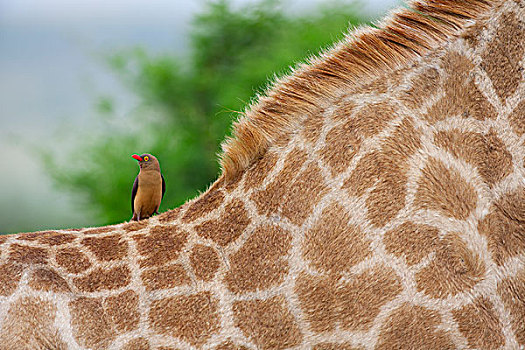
[(147, 161)]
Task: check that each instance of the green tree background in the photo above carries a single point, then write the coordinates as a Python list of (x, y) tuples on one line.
[(187, 104)]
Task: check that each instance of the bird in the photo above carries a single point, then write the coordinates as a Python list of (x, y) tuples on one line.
[(148, 188)]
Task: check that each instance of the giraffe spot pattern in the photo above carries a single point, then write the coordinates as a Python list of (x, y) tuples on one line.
[(415, 326), (192, 318), (461, 95), (101, 279), (342, 144), (259, 264), (504, 226), (486, 152), (230, 346), (161, 245), (164, 277), (204, 261), (23, 254), (29, 324), (202, 206), (326, 245), (269, 200), (268, 323), (411, 241), (335, 346), (122, 310), (314, 125), (51, 238), (387, 197), (479, 323), (444, 190), (256, 174), (137, 344), (10, 275), (107, 248), (97, 230), (512, 291), (517, 119), (72, 260), (135, 226), (48, 280), (423, 86), (454, 269), (90, 324), (229, 227), (502, 57)]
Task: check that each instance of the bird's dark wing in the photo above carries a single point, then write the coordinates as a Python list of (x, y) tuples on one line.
[(163, 185), (134, 193)]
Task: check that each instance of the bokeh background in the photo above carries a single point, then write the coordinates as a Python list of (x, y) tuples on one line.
[(86, 83)]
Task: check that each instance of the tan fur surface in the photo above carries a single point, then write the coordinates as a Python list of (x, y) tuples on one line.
[(389, 216)]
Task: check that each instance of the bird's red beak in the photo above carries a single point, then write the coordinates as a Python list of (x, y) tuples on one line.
[(137, 157)]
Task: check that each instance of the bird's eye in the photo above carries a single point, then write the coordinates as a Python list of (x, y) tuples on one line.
[(146, 158)]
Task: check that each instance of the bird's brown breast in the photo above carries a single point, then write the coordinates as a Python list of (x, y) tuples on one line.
[(149, 193)]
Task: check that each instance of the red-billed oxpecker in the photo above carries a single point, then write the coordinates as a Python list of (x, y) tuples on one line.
[(148, 188)]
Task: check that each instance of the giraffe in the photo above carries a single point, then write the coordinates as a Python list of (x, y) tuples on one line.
[(374, 199)]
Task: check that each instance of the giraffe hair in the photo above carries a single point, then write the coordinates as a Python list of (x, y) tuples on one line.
[(362, 55)]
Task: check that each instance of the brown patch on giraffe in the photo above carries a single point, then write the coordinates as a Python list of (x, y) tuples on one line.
[(303, 194), (487, 152), (103, 279), (260, 263), (473, 35), (91, 325), (204, 261), (229, 227), (454, 269), (269, 323), (334, 245), (161, 245), (318, 299), (342, 144), (24, 254), (99, 230), (122, 310), (415, 326), (205, 204), (48, 280), (170, 215), (230, 346), (480, 325), (107, 248), (360, 300), (72, 260), (512, 292), (423, 85), (270, 199), (411, 241), (135, 226), (517, 119), (165, 277), (137, 344), (461, 95), (255, 175), (313, 126), (192, 318), (10, 275), (335, 346), (371, 119), (502, 57), (29, 325), (444, 190), (504, 226), (2, 240), (386, 170), (52, 238)]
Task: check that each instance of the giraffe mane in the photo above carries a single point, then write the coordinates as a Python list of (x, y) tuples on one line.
[(363, 54)]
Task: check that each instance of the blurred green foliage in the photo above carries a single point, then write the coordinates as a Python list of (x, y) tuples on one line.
[(187, 104)]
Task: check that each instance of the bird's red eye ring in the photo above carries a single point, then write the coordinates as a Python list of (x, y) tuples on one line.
[(146, 158)]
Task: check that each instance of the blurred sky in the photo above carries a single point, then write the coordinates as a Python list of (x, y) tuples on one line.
[(52, 70)]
